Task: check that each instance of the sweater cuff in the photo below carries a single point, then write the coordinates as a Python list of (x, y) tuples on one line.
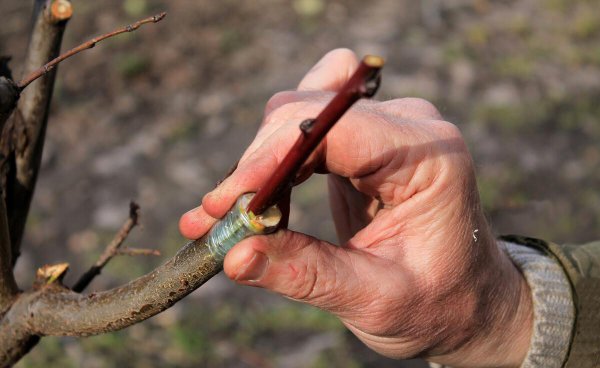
[(553, 307)]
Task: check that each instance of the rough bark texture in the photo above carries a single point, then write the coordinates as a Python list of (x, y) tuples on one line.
[(9, 95), (8, 286), (28, 123), (57, 311)]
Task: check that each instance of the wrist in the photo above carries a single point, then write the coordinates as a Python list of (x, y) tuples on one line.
[(503, 315)]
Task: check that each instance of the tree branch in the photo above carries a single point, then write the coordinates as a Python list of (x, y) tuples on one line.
[(29, 125), (85, 46), (25, 138), (8, 285), (58, 311), (111, 249)]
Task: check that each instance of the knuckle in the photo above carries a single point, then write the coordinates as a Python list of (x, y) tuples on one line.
[(423, 106), (279, 99), (446, 129), (412, 108)]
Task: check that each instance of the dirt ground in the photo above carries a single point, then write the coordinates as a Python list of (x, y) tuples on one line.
[(159, 115)]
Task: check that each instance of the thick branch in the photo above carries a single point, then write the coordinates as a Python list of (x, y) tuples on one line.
[(363, 83), (29, 125), (8, 285), (85, 46), (110, 251), (55, 310), (28, 131)]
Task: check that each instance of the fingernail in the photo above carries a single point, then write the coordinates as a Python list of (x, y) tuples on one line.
[(254, 269)]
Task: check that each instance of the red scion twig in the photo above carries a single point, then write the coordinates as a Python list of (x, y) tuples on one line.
[(363, 83)]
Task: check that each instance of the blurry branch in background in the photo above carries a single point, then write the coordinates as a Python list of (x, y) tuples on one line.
[(111, 250)]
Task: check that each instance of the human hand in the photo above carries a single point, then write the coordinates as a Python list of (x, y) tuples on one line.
[(418, 272)]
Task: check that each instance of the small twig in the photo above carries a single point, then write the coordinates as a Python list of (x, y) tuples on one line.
[(138, 252), (110, 251), (84, 46)]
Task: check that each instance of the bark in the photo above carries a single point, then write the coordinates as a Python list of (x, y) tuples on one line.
[(9, 95), (26, 139), (8, 285)]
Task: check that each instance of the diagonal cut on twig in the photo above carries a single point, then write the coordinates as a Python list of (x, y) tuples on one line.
[(111, 250)]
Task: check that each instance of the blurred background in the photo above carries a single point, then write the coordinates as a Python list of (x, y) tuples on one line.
[(159, 115)]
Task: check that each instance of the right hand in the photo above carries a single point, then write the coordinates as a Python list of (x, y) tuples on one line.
[(418, 272)]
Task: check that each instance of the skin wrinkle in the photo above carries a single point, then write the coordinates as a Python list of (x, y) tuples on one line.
[(306, 290), (395, 169), (360, 298)]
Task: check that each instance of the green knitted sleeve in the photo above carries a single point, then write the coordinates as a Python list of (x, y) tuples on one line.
[(582, 266)]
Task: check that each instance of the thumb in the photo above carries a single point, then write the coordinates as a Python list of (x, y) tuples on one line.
[(300, 267), (331, 72)]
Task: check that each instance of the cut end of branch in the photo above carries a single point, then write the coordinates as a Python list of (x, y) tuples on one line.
[(61, 10), (50, 273), (159, 17), (134, 212), (374, 61)]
